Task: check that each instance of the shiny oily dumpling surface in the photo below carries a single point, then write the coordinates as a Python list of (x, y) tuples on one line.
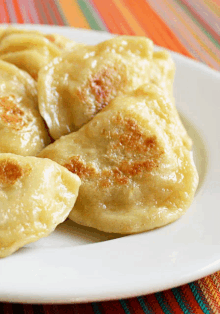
[(35, 196), (74, 87), (22, 130), (31, 50), (137, 173)]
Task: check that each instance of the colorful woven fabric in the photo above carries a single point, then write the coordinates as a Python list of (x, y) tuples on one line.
[(190, 27)]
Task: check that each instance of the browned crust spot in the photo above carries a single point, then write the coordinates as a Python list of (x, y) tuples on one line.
[(10, 172), (132, 139), (10, 113), (103, 86), (78, 166), (128, 138)]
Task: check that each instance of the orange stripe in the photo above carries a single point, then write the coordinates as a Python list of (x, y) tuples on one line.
[(171, 300), (160, 33), (18, 12), (142, 16), (134, 306), (73, 14), (152, 301), (190, 299), (113, 18), (138, 30)]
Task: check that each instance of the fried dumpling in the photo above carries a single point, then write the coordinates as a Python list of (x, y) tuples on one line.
[(162, 71), (133, 159), (35, 196), (22, 130), (73, 88), (31, 50)]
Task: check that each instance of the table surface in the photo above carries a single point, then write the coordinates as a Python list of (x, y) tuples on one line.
[(190, 27)]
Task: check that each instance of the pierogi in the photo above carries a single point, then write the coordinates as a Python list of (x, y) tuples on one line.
[(74, 87), (31, 50), (134, 162), (35, 196), (22, 130)]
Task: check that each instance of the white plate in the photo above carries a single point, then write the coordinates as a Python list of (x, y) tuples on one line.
[(77, 264)]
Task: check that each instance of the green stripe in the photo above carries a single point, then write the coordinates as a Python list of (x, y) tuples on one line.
[(91, 17), (163, 303), (215, 42), (178, 297), (96, 309), (195, 292), (124, 306), (143, 305)]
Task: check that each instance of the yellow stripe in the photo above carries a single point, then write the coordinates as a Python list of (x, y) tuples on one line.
[(73, 14), (213, 6), (206, 292)]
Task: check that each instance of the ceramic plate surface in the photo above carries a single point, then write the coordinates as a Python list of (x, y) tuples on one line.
[(77, 264)]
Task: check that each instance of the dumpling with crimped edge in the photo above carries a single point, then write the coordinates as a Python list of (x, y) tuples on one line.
[(136, 170), (22, 129), (73, 88), (31, 50), (35, 196)]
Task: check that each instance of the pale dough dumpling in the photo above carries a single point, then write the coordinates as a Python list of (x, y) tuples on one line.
[(35, 196), (73, 88), (22, 130), (137, 171), (31, 50)]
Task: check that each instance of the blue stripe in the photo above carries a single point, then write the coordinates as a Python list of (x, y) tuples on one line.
[(124, 306), (163, 303), (143, 305), (178, 297), (196, 294)]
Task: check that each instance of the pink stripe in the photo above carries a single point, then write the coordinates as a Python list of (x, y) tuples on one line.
[(40, 9), (4, 18), (205, 17), (11, 11), (24, 10), (33, 12), (187, 32)]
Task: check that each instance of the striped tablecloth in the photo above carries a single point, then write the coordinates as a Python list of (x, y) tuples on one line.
[(190, 27)]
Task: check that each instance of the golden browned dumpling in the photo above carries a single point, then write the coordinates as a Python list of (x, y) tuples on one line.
[(31, 50), (35, 196), (133, 159), (76, 86), (162, 71), (22, 130)]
